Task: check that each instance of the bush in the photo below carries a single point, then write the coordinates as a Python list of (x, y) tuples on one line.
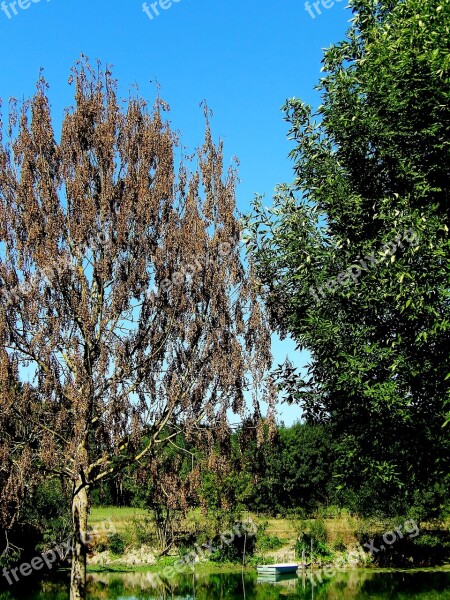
[(233, 552), (316, 533), (44, 519), (143, 530), (339, 545), (366, 529), (268, 542), (101, 547), (258, 559), (116, 544)]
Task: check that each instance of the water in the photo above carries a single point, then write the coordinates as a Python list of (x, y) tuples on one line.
[(355, 584)]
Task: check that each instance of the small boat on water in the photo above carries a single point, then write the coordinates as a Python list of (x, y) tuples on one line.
[(278, 569)]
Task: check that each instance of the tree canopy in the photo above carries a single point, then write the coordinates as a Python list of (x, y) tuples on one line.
[(126, 314), (353, 258)]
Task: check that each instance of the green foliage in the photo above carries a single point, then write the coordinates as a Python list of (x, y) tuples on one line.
[(44, 520), (47, 511), (318, 531), (116, 544), (232, 549), (264, 541), (268, 542), (357, 269), (430, 540), (290, 472), (142, 529), (424, 547), (101, 546), (313, 535), (167, 561), (339, 545)]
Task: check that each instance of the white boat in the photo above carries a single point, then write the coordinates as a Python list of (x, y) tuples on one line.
[(277, 569)]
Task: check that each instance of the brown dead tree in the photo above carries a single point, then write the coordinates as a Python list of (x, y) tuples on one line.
[(124, 307)]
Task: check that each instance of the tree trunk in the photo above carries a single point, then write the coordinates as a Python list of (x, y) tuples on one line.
[(79, 550)]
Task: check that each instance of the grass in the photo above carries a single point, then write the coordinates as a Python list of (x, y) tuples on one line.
[(284, 528), (121, 517), (130, 523), (125, 521), (208, 568), (342, 527)]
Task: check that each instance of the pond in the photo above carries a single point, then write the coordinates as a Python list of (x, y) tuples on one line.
[(357, 584)]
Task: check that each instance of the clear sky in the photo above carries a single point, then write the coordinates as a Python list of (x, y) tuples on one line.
[(244, 58)]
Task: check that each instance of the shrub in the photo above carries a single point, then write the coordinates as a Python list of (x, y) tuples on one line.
[(101, 547), (268, 542), (142, 529), (339, 545), (234, 551), (116, 544), (316, 533)]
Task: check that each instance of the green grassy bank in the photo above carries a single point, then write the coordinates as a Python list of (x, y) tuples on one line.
[(127, 539)]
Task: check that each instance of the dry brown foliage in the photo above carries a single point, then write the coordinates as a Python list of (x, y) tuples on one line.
[(91, 228)]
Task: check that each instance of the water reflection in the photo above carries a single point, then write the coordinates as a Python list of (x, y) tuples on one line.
[(357, 584), (418, 585), (275, 578)]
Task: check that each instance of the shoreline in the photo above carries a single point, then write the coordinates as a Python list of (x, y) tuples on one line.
[(212, 568)]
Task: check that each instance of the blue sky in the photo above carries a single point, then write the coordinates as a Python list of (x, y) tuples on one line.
[(244, 58)]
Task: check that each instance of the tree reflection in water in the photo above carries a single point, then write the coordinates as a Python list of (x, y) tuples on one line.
[(346, 585)]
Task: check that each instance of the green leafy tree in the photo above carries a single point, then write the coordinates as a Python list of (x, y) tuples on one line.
[(304, 466), (357, 269), (291, 471)]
